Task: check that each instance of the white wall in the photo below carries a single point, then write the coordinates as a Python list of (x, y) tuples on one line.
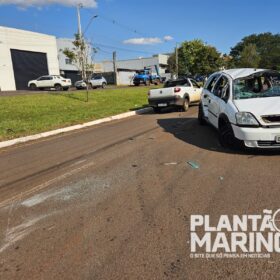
[(11, 38), (136, 64), (63, 44)]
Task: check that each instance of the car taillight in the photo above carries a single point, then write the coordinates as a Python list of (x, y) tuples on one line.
[(177, 89)]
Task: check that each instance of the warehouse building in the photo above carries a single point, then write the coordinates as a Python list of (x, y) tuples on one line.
[(67, 68), (126, 69), (24, 56)]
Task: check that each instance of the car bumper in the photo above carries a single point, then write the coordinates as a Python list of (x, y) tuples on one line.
[(166, 102), (259, 137)]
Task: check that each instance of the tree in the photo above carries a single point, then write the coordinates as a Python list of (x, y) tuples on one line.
[(195, 57), (80, 56), (249, 57), (267, 47)]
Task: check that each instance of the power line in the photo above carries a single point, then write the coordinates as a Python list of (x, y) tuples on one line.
[(117, 23), (122, 49)]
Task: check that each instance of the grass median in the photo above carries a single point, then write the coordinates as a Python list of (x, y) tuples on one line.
[(30, 114)]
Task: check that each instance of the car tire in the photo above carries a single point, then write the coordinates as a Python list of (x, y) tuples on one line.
[(186, 105), (227, 138), (157, 110), (103, 85), (33, 87), (58, 87), (201, 117), (157, 82)]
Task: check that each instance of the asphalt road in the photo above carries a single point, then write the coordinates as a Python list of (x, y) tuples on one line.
[(114, 201)]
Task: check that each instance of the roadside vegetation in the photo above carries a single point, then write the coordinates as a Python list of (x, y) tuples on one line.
[(254, 51), (31, 114)]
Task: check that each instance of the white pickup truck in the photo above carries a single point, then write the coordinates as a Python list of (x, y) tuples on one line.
[(178, 93)]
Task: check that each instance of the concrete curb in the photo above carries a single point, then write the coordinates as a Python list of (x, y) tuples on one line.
[(25, 139)]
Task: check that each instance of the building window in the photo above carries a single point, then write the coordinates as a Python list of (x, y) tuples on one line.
[(68, 61)]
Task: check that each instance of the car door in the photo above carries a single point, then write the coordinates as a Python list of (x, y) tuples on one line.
[(44, 82), (97, 81), (216, 103), (196, 90), (208, 96)]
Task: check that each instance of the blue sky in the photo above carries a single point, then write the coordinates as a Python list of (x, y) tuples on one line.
[(221, 23)]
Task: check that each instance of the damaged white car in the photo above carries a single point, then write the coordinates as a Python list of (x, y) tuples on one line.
[(244, 105)]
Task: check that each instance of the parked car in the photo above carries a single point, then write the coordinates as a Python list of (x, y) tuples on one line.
[(51, 81), (244, 105), (94, 82), (179, 93), (80, 84)]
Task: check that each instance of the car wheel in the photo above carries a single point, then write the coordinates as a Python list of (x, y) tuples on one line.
[(33, 87), (157, 110), (157, 82), (186, 105), (201, 117), (58, 87), (103, 85), (226, 136)]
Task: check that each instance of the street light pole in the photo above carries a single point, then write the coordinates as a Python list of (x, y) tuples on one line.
[(177, 61), (79, 6)]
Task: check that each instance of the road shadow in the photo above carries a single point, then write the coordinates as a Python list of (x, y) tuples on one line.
[(204, 137)]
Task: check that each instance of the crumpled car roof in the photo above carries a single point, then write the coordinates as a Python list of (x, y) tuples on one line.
[(242, 72)]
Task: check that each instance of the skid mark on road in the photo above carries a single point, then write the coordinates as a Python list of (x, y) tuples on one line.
[(18, 232), (46, 184), (64, 194)]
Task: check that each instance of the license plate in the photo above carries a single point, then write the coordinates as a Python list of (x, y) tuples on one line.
[(164, 105), (277, 139)]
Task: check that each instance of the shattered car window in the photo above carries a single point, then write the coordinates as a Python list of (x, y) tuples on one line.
[(262, 84)]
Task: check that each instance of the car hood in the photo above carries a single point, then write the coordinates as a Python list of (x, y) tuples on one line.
[(259, 106)]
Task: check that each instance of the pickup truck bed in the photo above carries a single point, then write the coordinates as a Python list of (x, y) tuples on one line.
[(179, 93)]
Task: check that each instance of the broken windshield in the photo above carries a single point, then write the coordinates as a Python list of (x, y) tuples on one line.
[(262, 84)]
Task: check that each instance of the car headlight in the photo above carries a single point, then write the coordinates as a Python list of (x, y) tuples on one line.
[(246, 119)]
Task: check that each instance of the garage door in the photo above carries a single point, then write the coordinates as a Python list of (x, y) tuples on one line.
[(28, 66)]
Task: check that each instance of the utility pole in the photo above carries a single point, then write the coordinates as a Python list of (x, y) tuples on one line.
[(79, 6), (115, 67), (177, 61)]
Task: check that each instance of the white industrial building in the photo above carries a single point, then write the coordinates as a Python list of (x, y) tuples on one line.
[(66, 66), (126, 69), (24, 56)]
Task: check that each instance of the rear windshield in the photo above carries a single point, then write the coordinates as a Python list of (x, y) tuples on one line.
[(176, 83), (259, 85)]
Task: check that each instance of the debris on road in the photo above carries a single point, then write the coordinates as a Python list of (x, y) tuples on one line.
[(170, 163), (193, 164)]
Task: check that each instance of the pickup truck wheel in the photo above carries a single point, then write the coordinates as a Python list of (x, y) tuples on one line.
[(33, 87), (186, 105), (58, 87), (227, 138), (157, 110), (201, 117)]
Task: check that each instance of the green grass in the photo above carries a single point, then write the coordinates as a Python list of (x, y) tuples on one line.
[(30, 114)]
